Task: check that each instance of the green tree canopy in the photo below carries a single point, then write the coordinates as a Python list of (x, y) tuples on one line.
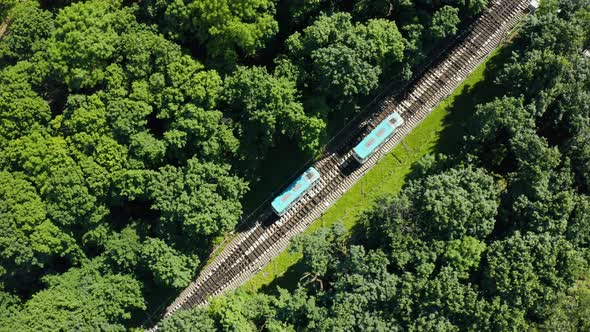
[(29, 241), (445, 21), (572, 310), (456, 203), (267, 106), (29, 27), (169, 267), (200, 199), (85, 41), (336, 54), (529, 270), (60, 181), (373, 8), (22, 110), (464, 255), (226, 28), (82, 299), (196, 320), (319, 249)]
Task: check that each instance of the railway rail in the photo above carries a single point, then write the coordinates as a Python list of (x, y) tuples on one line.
[(254, 247)]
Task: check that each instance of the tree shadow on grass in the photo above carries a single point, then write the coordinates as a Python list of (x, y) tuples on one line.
[(459, 120), (288, 280)]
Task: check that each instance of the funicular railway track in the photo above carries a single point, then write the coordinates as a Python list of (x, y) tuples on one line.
[(253, 248)]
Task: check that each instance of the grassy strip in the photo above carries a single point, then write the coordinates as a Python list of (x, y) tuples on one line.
[(441, 131), (218, 244)]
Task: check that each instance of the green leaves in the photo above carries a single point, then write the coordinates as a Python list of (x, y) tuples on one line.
[(122, 250), (456, 203), (578, 229), (572, 311), (382, 41), (28, 29), (116, 146), (226, 28), (320, 249), (344, 60), (199, 200), (59, 180), (28, 240), (267, 106), (21, 109), (125, 103), (342, 69), (169, 267), (89, 297), (528, 271), (464, 255), (373, 8), (579, 150), (196, 320), (444, 22), (85, 41)]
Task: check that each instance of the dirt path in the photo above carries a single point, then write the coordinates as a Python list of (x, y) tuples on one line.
[(3, 28)]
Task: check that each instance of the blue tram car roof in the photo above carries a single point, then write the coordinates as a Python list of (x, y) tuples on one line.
[(377, 136), (295, 189)]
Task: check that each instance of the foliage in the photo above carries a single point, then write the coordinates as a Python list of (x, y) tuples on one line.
[(85, 41), (21, 109), (91, 300), (464, 255), (190, 321), (572, 309), (578, 230), (170, 268), (373, 8), (528, 271), (98, 115), (29, 27), (201, 199), (265, 106), (444, 22), (580, 153), (227, 28), (337, 55), (29, 239), (5, 6), (456, 203), (318, 248)]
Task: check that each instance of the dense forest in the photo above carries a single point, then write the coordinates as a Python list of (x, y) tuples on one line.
[(132, 131), (495, 237)]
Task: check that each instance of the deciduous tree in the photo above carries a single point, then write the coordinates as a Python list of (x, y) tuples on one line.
[(21, 109), (226, 28), (445, 21), (456, 203), (29, 27), (266, 107), (85, 41), (29, 241), (199, 200), (528, 271), (169, 267), (83, 298), (196, 320)]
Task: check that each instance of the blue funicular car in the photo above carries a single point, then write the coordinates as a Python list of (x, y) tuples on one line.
[(295, 191), (377, 137)]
